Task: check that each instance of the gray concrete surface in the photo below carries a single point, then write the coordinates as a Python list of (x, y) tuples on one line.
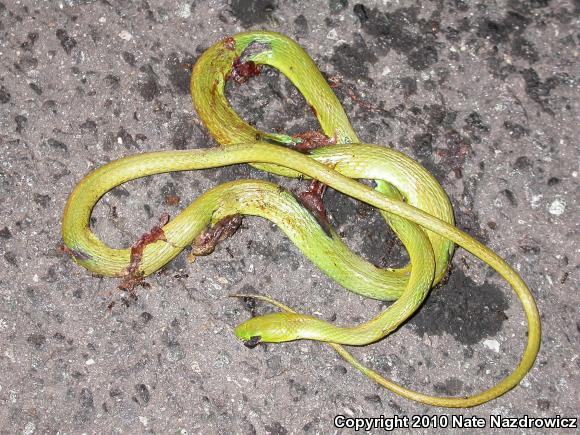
[(484, 94)]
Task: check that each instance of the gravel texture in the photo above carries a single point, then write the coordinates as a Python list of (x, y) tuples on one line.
[(484, 94)]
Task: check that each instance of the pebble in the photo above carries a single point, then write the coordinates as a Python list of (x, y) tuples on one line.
[(29, 428), (557, 207), (125, 35), (492, 344), (535, 202), (184, 11)]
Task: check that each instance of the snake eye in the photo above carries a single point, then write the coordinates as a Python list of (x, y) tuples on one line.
[(253, 341)]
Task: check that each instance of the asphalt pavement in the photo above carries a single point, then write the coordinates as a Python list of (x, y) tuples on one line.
[(484, 94)]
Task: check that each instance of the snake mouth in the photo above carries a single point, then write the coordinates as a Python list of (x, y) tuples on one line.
[(253, 341)]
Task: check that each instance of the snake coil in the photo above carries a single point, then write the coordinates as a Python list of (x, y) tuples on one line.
[(408, 197)]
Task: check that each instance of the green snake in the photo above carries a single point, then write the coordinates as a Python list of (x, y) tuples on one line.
[(409, 198)]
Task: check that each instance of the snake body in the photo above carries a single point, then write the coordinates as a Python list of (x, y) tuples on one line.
[(410, 199)]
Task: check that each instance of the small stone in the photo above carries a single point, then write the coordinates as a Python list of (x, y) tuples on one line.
[(146, 317), (522, 163), (37, 89), (66, 41), (42, 200), (184, 10), (37, 340), (535, 202), (89, 125), (129, 58), (126, 36), (29, 428), (557, 207), (301, 24), (5, 233), (223, 359), (4, 95), (336, 6), (143, 393), (492, 344), (56, 144)]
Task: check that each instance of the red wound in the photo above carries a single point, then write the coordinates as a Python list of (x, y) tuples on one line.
[(133, 276), (242, 71), (206, 242), (312, 199), (230, 43), (311, 140)]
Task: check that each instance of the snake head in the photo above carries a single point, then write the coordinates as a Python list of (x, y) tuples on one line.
[(270, 328)]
